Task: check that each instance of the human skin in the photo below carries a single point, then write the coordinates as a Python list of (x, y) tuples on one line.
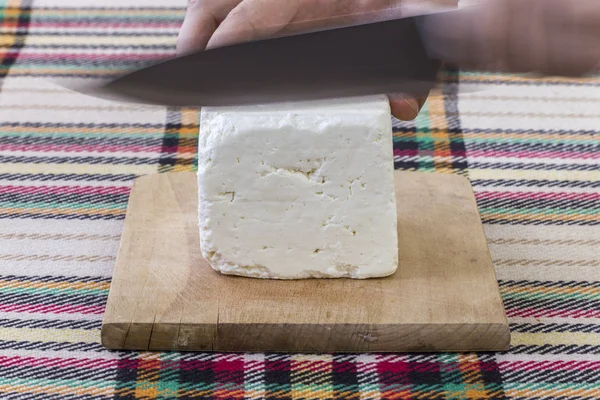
[(545, 37), (549, 37), (215, 23)]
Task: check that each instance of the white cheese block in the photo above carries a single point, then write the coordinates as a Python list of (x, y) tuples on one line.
[(303, 190)]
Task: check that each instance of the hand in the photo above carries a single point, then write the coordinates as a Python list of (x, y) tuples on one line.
[(215, 23), (548, 37)]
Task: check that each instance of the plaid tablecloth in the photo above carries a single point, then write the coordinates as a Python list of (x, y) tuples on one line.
[(530, 147)]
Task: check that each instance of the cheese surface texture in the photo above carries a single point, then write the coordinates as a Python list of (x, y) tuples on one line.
[(302, 190)]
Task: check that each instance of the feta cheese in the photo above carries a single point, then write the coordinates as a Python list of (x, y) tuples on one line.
[(302, 190)]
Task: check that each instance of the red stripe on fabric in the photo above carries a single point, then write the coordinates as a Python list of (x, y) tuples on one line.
[(52, 309), (427, 366), (533, 154), (201, 365), (228, 365), (277, 365), (229, 357), (406, 152), (343, 366), (12, 24), (396, 367)]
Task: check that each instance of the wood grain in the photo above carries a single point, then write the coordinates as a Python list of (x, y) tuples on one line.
[(444, 296)]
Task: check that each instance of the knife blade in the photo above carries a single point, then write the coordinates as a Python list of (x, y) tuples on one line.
[(390, 56)]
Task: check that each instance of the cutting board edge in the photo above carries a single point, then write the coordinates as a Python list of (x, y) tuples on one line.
[(495, 337)]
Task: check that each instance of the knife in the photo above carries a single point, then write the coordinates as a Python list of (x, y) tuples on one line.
[(390, 56)]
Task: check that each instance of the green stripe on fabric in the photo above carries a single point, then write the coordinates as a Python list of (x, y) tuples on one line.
[(54, 291), (508, 294), (37, 383), (523, 140)]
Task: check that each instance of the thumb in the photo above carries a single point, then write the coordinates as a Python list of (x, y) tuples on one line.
[(406, 108)]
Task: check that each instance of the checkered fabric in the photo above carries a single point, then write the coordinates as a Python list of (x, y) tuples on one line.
[(531, 148)]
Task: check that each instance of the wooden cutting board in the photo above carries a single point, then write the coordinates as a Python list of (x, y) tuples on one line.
[(444, 296)]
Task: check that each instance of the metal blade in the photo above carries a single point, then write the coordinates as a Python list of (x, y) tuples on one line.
[(374, 58)]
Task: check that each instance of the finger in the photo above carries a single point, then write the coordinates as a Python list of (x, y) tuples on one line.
[(406, 108), (197, 28), (259, 19), (253, 20), (573, 48), (317, 14), (201, 20)]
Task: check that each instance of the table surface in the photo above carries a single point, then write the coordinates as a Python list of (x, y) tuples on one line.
[(531, 149)]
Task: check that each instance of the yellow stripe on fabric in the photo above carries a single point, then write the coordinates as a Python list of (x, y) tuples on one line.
[(435, 135), (180, 168), (148, 376), (12, 8), (254, 394), (521, 216), (59, 209), (55, 285), (50, 335), (310, 377), (187, 146), (309, 391), (48, 211), (63, 236), (470, 369), (555, 338), (525, 97), (549, 291), (441, 146), (49, 389), (515, 78), (534, 174), (508, 137), (7, 40), (80, 168), (190, 116)]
